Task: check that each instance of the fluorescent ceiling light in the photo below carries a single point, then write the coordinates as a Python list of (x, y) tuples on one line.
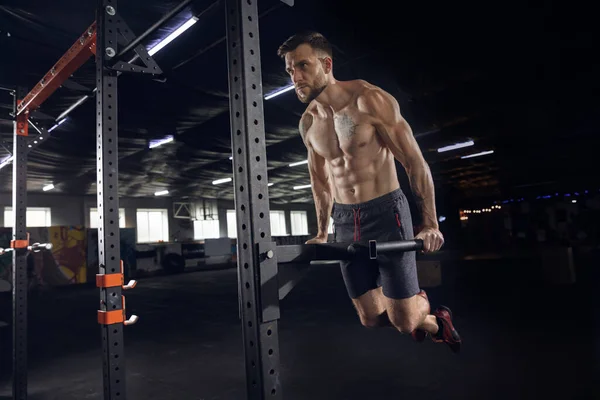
[(231, 158), (302, 187), (160, 142), (270, 184), (224, 180), (483, 153), (48, 187), (57, 125), (6, 162), (299, 163), (188, 24), (456, 146), (161, 193), (279, 91)]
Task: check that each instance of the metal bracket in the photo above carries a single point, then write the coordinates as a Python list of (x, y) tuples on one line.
[(269, 284), (126, 36), (182, 210)]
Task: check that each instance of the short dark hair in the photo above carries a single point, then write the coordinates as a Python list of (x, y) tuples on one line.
[(316, 40)]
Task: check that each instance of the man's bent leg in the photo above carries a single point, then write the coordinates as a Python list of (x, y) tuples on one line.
[(371, 309), (410, 314)]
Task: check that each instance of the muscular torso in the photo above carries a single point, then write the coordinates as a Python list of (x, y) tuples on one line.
[(359, 165)]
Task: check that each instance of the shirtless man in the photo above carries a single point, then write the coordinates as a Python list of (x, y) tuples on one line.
[(353, 132)]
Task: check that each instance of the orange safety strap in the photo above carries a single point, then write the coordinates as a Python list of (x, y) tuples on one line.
[(110, 280), (20, 244), (111, 317), (106, 281)]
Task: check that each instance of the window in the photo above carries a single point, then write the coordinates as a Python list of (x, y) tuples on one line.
[(299, 223), (278, 227), (94, 218), (231, 224), (330, 228), (206, 229), (35, 217), (152, 225)]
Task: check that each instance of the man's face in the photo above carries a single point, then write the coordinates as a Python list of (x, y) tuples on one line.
[(306, 70)]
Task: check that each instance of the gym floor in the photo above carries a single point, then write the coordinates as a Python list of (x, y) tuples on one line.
[(522, 340)]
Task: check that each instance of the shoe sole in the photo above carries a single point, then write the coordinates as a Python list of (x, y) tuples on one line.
[(455, 347)]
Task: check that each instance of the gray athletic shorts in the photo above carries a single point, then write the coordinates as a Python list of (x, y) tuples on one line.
[(386, 218)]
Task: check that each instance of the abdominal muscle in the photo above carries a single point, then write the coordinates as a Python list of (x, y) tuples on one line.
[(358, 180)]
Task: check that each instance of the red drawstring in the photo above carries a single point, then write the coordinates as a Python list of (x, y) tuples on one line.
[(354, 211), (356, 225), (358, 219), (398, 220)]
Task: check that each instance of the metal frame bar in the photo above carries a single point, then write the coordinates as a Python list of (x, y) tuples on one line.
[(258, 289), (111, 298), (19, 256), (70, 62), (164, 19)]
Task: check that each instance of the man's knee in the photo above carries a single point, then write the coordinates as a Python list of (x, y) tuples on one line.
[(405, 322), (373, 321)]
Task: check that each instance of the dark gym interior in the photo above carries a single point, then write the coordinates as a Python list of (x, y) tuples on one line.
[(519, 207)]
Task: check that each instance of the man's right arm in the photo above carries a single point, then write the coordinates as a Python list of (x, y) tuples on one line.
[(319, 180)]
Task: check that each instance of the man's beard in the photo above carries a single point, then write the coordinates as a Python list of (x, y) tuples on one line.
[(314, 93)]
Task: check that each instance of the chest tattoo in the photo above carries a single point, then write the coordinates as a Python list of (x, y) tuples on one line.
[(344, 126)]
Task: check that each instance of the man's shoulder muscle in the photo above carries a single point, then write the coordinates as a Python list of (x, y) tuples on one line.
[(379, 104), (305, 123)]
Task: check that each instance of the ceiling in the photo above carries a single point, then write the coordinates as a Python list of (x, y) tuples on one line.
[(515, 78)]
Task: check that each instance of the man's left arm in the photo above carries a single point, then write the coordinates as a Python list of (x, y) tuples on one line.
[(398, 136)]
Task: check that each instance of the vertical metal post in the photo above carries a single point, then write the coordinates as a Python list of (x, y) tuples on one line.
[(258, 288), (19, 258), (111, 298)]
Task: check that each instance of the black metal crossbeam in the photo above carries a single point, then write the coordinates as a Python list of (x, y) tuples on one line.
[(306, 253), (258, 291), (19, 255), (111, 298), (167, 17)]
